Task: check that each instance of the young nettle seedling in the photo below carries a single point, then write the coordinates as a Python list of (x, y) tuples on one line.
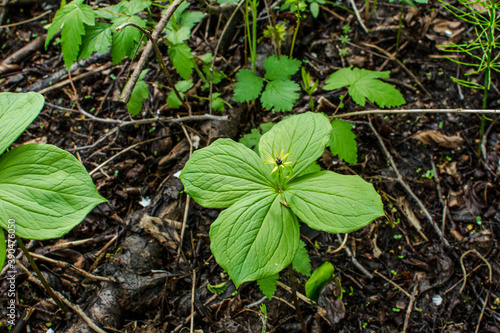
[(266, 194)]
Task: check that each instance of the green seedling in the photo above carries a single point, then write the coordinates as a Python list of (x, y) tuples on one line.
[(309, 86), (217, 288), (266, 194), (280, 92), (44, 191), (318, 280), (364, 84)]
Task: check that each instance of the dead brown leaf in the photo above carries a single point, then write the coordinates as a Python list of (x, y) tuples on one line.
[(435, 137)]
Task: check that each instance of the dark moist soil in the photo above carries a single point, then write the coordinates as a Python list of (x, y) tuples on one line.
[(412, 281)]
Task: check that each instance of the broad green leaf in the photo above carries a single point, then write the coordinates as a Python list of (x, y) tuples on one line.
[(217, 102), (303, 136), (45, 190), (312, 168), (343, 141), (224, 172), (266, 127), (179, 36), (139, 94), (182, 59), (125, 42), (97, 39), (301, 263), (189, 19), (280, 95), (281, 68), (364, 84), (255, 238), (72, 19), (182, 87), (248, 86), (268, 285), (3, 249), (17, 112), (318, 280), (332, 202)]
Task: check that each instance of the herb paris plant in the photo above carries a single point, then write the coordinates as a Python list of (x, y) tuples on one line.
[(257, 235)]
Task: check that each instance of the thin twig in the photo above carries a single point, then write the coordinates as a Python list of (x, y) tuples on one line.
[(188, 198), (26, 21), (394, 284), (484, 139), (368, 112), (159, 57), (191, 327), (357, 16), (341, 245), (125, 96), (400, 180), (302, 297), (355, 261), (295, 299), (410, 307)]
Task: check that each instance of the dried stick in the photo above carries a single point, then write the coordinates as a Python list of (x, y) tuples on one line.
[(26, 21), (400, 180), (357, 16), (188, 198), (410, 308), (368, 112), (125, 97), (72, 306), (341, 245), (355, 261), (159, 58)]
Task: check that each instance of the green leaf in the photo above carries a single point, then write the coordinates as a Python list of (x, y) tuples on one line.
[(125, 42), (217, 288), (97, 39), (314, 8), (217, 103), (71, 19), (332, 202), (318, 280), (255, 238), (3, 249), (17, 112), (343, 141), (182, 59), (312, 168), (280, 95), (364, 84), (133, 7), (248, 86), (189, 19), (219, 175), (304, 143), (182, 87), (251, 139), (301, 263), (266, 127), (268, 285), (179, 36), (45, 190), (139, 94), (281, 68)]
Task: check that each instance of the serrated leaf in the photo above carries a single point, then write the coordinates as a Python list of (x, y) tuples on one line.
[(125, 42), (318, 280), (182, 87), (17, 112), (364, 84), (280, 95), (332, 202), (72, 19), (97, 39), (254, 238), (343, 141), (281, 68), (182, 59), (139, 94), (219, 175), (266, 127), (189, 19), (248, 86), (133, 7), (305, 144), (45, 190), (3, 249), (217, 103), (251, 139), (301, 263), (268, 285), (179, 36)]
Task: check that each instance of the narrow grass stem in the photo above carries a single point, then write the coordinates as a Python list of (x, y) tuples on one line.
[(295, 299), (40, 276)]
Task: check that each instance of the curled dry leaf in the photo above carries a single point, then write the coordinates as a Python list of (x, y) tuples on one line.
[(436, 137)]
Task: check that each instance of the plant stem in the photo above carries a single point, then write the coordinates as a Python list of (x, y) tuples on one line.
[(295, 34), (40, 276), (295, 299), (400, 24)]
